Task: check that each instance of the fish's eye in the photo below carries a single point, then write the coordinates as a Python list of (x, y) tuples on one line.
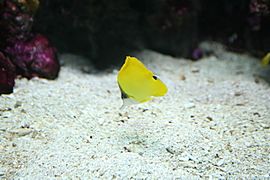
[(155, 77)]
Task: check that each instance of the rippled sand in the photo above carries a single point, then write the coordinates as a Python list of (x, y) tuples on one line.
[(214, 122)]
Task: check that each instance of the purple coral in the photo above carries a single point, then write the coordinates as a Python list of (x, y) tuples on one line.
[(14, 22), (7, 75), (30, 54), (35, 57), (257, 9), (260, 7), (197, 53)]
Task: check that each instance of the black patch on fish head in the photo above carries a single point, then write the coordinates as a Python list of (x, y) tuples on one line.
[(155, 77)]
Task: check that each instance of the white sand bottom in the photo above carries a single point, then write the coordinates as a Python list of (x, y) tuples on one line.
[(213, 123)]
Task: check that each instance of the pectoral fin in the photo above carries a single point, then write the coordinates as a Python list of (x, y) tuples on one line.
[(127, 100)]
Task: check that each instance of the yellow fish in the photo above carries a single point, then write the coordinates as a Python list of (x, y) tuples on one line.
[(137, 83), (266, 59)]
